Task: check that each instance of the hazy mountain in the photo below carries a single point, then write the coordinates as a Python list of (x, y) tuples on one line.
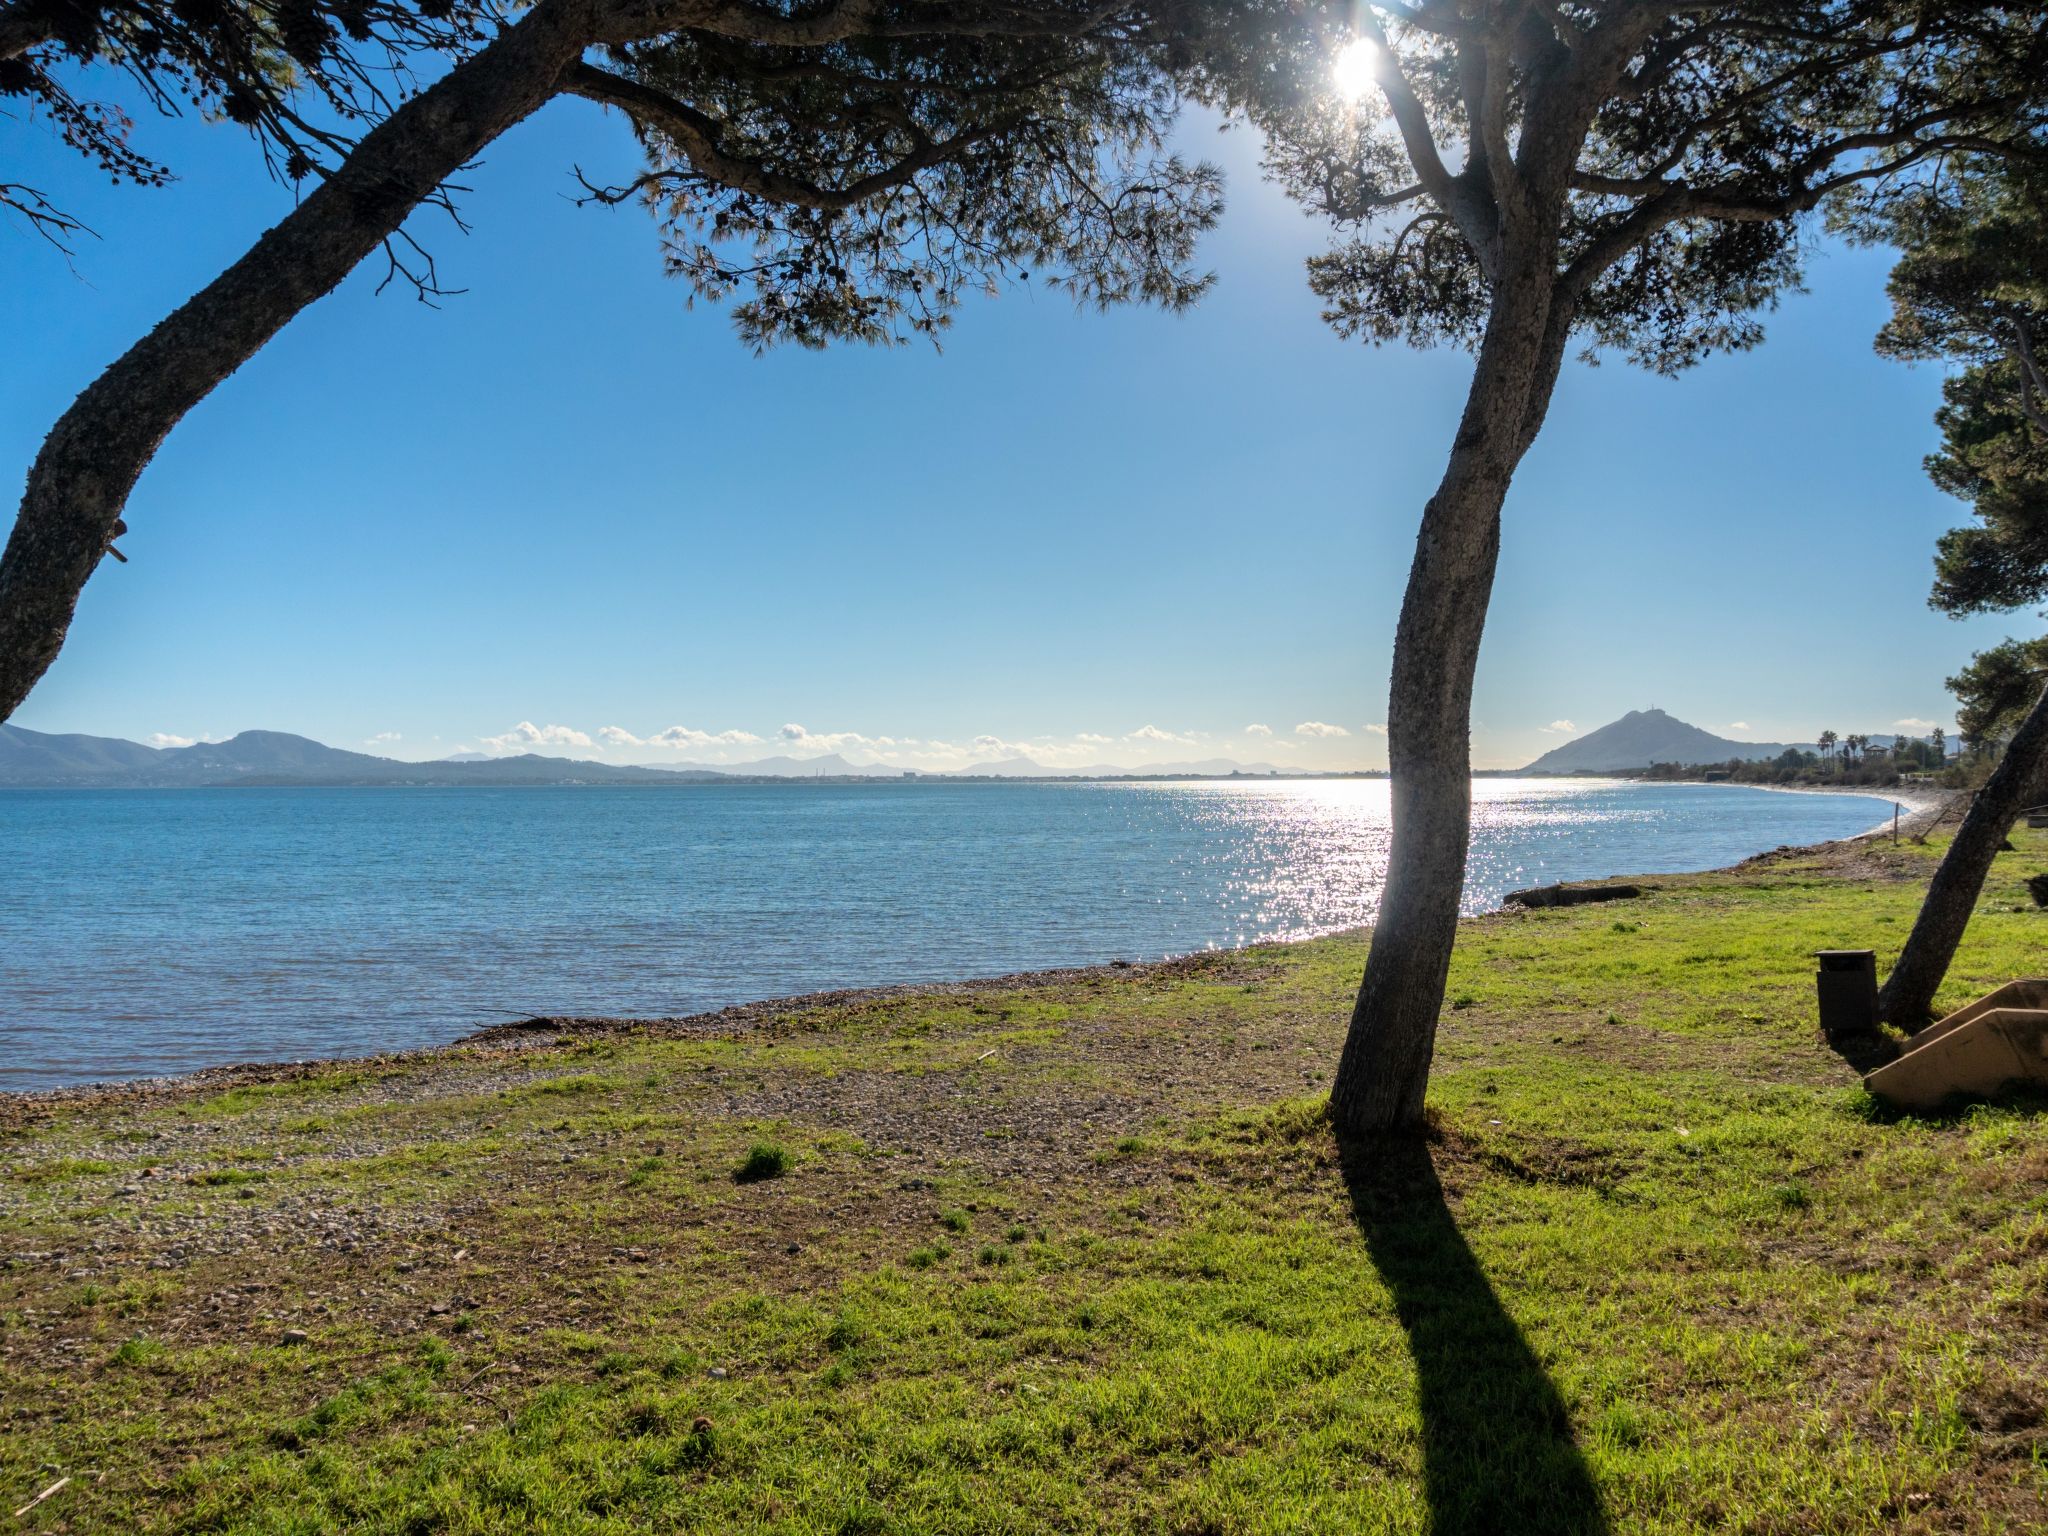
[(1027, 768), (1645, 736), (32, 757), (262, 755), (1005, 768), (830, 766)]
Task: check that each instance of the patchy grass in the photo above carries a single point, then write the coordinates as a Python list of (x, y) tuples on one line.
[(765, 1160), (1659, 1267)]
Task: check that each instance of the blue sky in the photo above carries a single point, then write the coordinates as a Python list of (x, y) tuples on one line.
[(565, 500)]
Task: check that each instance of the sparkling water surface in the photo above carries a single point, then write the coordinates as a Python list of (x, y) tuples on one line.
[(144, 932)]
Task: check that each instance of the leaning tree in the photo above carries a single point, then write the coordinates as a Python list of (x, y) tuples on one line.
[(1635, 176), (845, 169), (1972, 289)]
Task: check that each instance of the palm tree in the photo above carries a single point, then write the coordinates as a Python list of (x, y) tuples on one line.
[(1827, 745)]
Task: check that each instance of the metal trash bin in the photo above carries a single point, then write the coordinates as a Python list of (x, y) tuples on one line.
[(1847, 981)]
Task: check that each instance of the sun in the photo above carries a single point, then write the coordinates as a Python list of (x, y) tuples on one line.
[(1353, 70)]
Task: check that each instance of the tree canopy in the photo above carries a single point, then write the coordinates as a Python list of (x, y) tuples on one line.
[(304, 76), (858, 190), (1665, 152), (1972, 289)]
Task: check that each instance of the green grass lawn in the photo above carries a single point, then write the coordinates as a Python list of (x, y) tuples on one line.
[(1076, 1254)]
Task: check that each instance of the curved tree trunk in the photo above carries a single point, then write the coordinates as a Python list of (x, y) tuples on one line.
[(1384, 1070), (90, 462), (1907, 997)]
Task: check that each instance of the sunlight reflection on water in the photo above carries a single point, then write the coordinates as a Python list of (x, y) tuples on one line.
[(147, 932)]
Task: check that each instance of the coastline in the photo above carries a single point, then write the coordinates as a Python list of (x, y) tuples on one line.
[(543, 1033), (1924, 804), (667, 1277)]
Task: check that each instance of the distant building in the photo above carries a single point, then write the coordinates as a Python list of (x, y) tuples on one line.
[(1715, 775)]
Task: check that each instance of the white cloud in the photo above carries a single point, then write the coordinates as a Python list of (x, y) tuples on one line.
[(1913, 725), (800, 739), (986, 745), (1377, 730), (1258, 730), (614, 736), (525, 736), (1091, 739), (166, 739), (1319, 728), (1559, 728), (383, 736), (1165, 738), (687, 736), (1739, 725)]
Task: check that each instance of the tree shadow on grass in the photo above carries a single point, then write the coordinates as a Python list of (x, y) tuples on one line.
[(1499, 1458), (1864, 1050)]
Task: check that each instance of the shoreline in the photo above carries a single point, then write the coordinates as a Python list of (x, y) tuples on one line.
[(1924, 805), (1088, 1252)]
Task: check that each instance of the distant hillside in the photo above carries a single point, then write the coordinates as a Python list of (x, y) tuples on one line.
[(830, 766), (1027, 768), (1645, 736), (36, 760), (32, 759)]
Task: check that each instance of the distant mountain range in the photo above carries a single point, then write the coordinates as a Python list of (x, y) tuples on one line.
[(36, 760), (1645, 736)]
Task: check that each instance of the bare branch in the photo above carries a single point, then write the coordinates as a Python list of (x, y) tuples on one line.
[(1412, 119), (43, 216), (696, 135)]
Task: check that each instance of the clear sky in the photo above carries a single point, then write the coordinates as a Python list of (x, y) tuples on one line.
[(566, 502)]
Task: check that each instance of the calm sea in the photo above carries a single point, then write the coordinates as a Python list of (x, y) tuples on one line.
[(145, 932)]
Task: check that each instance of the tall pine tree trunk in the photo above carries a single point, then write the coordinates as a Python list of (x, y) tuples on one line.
[(81, 480), (1384, 1070), (1907, 997)]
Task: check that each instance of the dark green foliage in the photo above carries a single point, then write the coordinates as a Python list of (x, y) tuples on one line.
[(1995, 691), (304, 76), (860, 190), (764, 1160), (1668, 155), (1972, 288)]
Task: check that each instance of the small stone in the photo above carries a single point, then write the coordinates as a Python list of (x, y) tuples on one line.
[(719, 1373), (293, 1336), (794, 1248), (700, 1425), (131, 1189)]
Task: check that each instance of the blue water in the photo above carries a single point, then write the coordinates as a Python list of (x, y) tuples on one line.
[(145, 932)]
